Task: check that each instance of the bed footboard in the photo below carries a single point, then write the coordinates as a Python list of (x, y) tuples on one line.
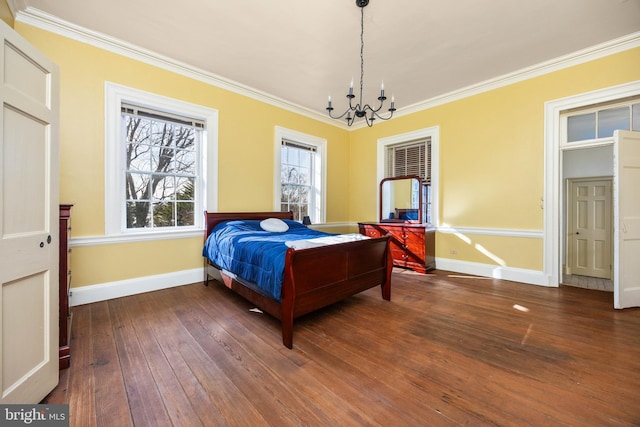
[(317, 277)]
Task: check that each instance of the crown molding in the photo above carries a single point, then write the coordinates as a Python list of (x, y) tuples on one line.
[(39, 19), (630, 41), (52, 24)]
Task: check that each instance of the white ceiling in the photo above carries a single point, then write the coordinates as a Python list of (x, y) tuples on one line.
[(301, 51)]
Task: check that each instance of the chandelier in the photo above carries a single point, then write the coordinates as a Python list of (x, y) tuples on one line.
[(361, 110)]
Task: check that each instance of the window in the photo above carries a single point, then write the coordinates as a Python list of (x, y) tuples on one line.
[(300, 182), (413, 153), (601, 121), (161, 171), (158, 157), (412, 158)]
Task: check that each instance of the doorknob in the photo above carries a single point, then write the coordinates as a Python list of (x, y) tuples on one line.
[(577, 232)]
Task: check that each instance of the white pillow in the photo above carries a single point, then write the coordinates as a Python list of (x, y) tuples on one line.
[(274, 225)]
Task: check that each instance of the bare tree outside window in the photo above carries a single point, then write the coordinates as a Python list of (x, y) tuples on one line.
[(161, 172)]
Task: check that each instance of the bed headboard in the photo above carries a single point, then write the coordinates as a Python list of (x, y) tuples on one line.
[(214, 218)]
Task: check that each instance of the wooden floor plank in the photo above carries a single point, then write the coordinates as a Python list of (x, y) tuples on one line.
[(145, 401), (446, 350), (109, 388), (82, 403)]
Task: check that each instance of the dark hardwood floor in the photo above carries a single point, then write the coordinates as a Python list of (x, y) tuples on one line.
[(447, 350)]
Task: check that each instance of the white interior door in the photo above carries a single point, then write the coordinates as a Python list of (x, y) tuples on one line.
[(626, 184), (28, 221), (590, 234)]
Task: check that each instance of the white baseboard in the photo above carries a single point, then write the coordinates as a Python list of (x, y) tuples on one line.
[(106, 291), (532, 277), (123, 288)]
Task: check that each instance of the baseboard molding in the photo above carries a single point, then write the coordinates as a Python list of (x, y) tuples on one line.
[(532, 277), (122, 288)]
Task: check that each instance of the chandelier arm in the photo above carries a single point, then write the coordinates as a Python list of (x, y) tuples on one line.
[(348, 110)]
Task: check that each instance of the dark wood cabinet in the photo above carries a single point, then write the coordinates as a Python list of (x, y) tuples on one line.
[(412, 245), (64, 284)]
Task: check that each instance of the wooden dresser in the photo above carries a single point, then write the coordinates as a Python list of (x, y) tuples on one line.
[(64, 284), (412, 245)]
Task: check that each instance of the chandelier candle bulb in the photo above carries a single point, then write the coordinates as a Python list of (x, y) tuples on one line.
[(382, 90), (329, 103), (351, 87)]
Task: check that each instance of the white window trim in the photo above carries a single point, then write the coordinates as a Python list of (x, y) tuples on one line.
[(434, 134), (114, 167), (320, 145)]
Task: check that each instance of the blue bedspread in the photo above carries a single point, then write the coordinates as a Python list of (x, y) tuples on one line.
[(255, 255)]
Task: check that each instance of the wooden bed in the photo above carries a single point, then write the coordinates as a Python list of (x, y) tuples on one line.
[(314, 277)]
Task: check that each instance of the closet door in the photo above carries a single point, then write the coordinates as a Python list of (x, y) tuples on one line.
[(28, 221)]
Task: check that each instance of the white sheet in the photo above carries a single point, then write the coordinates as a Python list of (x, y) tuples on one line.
[(323, 241)]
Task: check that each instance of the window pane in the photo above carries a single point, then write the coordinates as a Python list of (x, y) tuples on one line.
[(185, 213), (185, 189), (185, 162), (162, 134), (612, 119), (138, 157), (581, 127), (163, 187), (137, 186), (137, 129), (162, 159), (636, 117), (138, 215), (163, 214)]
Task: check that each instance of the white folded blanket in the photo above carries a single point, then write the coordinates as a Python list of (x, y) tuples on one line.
[(323, 241)]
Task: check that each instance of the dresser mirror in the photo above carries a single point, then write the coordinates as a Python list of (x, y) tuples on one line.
[(402, 199)]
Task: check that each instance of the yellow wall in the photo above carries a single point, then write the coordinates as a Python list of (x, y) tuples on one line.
[(491, 158), (246, 153)]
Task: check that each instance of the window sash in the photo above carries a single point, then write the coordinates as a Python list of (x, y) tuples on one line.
[(165, 210), (297, 196)]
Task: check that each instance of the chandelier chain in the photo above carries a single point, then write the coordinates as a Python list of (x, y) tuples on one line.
[(361, 51)]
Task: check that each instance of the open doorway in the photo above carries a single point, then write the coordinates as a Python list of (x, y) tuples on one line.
[(588, 218), (573, 125)]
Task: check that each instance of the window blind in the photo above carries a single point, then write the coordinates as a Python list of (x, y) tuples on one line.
[(410, 158), (298, 145), (135, 110)]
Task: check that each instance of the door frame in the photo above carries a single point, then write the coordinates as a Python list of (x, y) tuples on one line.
[(554, 230)]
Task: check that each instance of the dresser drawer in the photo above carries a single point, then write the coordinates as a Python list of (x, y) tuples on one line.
[(371, 230), (412, 246)]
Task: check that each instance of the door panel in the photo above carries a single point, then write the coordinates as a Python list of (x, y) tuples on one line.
[(28, 221), (590, 231)]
